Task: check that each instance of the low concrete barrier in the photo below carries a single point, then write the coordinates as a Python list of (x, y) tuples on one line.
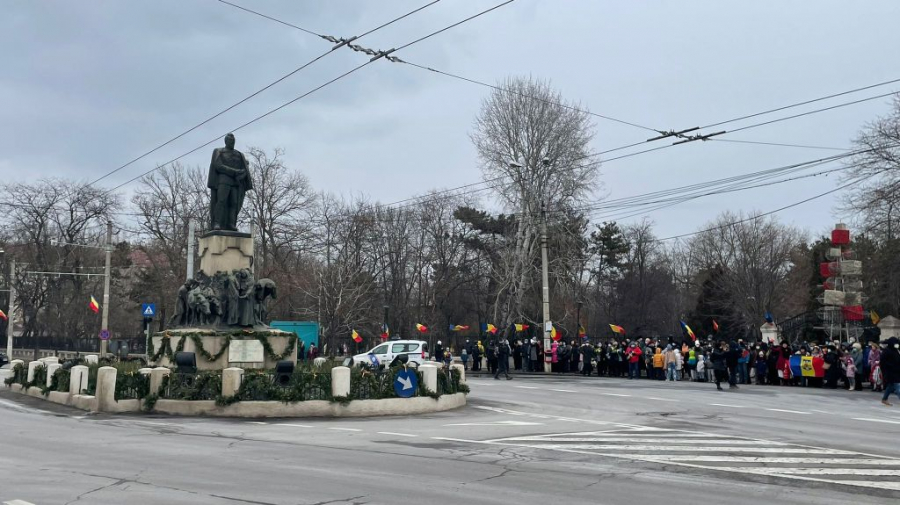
[(51, 369), (78, 379), (429, 377)]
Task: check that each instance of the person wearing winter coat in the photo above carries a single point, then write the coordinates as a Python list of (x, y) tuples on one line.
[(874, 359), (464, 356), (761, 368), (679, 365), (634, 357), (671, 362), (849, 370), (720, 365), (587, 358), (659, 364), (574, 357), (890, 369), (859, 364), (832, 367), (701, 367)]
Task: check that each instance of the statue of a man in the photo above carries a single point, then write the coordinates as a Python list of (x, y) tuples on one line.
[(229, 179)]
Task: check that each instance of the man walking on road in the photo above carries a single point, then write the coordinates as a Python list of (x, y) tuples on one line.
[(720, 365), (503, 352), (890, 369)]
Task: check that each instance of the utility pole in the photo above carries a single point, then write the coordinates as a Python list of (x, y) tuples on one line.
[(104, 344), (11, 311), (190, 250), (545, 289)]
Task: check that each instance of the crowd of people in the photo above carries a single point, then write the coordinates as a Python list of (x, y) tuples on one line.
[(850, 365)]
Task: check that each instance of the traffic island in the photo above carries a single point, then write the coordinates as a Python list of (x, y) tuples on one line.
[(254, 393)]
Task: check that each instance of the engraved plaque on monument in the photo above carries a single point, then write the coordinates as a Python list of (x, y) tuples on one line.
[(246, 351)]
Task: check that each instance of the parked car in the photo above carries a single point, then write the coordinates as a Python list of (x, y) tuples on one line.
[(389, 353)]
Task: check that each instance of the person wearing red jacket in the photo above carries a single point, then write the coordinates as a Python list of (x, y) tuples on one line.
[(633, 355)]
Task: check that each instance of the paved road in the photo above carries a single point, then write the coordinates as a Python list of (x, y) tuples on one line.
[(523, 441)]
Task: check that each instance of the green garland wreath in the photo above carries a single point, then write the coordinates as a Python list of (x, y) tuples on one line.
[(165, 348)]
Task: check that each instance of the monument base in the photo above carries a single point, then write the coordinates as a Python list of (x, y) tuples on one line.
[(225, 251), (220, 349)]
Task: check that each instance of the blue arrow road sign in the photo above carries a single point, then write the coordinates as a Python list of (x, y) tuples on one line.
[(148, 309), (406, 383)]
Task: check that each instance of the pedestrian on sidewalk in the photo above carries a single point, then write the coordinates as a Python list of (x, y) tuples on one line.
[(850, 371), (859, 362), (659, 364), (890, 369), (692, 362), (464, 356), (679, 365), (517, 355), (491, 354), (503, 352), (587, 358), (670, 362), (701, 365), (634, 357), (533, 356), (574, 357), (761, 368), (477, 356)]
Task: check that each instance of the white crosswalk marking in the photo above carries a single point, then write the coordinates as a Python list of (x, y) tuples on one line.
[(724, 453), (17, 502)]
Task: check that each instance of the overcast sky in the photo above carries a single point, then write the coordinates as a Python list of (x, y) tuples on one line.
[(86, 86)]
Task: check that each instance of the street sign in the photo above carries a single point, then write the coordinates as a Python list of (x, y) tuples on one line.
[(374, 360), (148, 309), (104, 334), (406, 383)]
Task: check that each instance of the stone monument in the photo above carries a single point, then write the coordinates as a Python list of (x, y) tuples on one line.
[(223, 309)]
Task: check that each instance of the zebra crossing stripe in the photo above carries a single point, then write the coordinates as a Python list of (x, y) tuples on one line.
[(662, 448), (852, 462), (695, 443)]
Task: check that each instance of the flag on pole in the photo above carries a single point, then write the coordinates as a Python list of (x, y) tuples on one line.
[(581, 331), (385, 331), (715, 326), (356, 337), (94, 305), (459, 327), (554, 334), (3, 316), (422, 328), (689, 331), (488, 328), (521, 327), (872, 315), (617, 329)]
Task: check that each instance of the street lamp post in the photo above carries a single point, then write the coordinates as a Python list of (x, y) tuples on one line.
[(104, 344), (10, 311)]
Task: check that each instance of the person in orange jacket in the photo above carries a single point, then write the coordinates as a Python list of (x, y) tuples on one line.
[(659, 364)]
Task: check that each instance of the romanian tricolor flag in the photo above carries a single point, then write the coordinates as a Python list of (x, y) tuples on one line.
[(356, 336), (521, 327), (422, 328), (488, 328), (581, 331), (807, 366), (715, 326), (94, 305), (385, 331), (459, 327), (872, 315), (617, 329), (3, 316), (554, 334), (689, 331)]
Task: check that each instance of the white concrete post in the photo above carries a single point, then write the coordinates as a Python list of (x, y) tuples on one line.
[(462, 372), (145, 371), (231, 381), (78, 379), (429, 376), (340, 381), (31, 368), (156, 378), (106, 388), (51, 368), (13, 363), (91, 359), (50, 360)]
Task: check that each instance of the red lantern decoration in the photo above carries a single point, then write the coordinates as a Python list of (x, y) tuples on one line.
[(840, 237)]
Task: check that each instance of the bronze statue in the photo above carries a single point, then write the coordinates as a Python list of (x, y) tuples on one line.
[(265, 289), (182, 310), (229, 180)]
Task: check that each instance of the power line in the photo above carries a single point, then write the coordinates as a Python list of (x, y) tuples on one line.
[(778, 144), (251, 11), (257, 92)]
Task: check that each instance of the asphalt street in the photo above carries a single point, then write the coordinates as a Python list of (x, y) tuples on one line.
[(529, 440)]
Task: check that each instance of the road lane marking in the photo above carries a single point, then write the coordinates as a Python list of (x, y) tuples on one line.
[(726, 405), (564, 390), (18, 502), (615, 394), (256, 422), (871, 420), (872, 472), (396, 434), (294, 425), (853, 462), (661, 399), (682, 448), (588, 421), (788, 411), (498, 423), (526, 387), (344, 429), (659, 440)]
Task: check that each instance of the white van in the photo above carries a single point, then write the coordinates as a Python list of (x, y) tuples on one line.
[(386, 353)]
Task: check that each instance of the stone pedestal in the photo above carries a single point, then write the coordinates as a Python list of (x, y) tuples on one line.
[(890, 327), (244, 347), (224, 251)]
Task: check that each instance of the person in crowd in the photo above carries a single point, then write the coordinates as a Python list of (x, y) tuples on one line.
[(438, 351), (692, 363), (501, 362), (761, 368), (587, 358), (562, 357), (575, 358), (490, 354), (464, 356), (647, 348), (874, 359), (669, 362), (719, 358), (533, 357), (602, 354), (832, 367), (701, 365), (301, 352), (517, 356), (772, 360), (659, 364), (743, 363), (890, 369), (526, 355), (634, 356), (679, 365), (731, 359), (313, 351), (849, 365), (477, 356), (554, 357)]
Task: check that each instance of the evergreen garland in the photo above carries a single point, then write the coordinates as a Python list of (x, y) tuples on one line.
[(165, 348)]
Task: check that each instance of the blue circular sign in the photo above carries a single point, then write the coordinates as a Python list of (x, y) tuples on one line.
[(406, 383)]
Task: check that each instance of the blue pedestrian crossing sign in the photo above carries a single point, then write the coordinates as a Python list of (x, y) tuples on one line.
[(406, 383), (148, 309)]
